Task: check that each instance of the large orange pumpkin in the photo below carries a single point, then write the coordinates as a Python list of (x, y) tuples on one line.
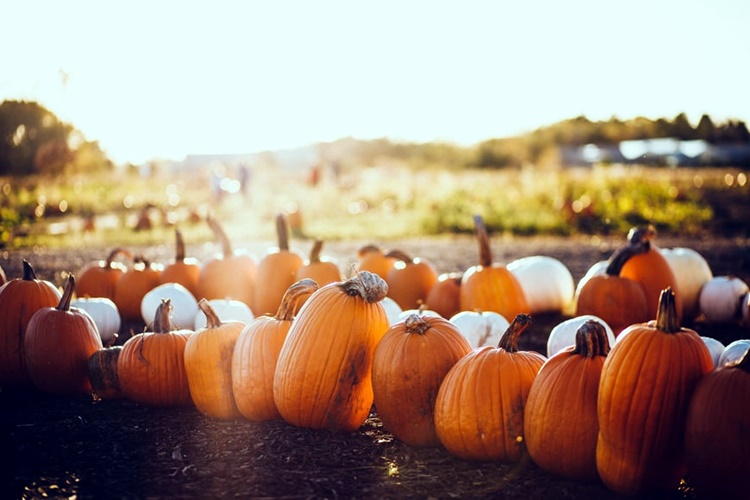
[(257, 352), (20, 298), (409, 363), (479, 410), (98, 279), (410, 280), (183, 270), (490, 286), (560, 421), (323, 378), (647, 381), (134, 285), (58, 343), (151, 366)]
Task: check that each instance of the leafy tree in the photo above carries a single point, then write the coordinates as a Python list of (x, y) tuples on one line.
[(706, 129)]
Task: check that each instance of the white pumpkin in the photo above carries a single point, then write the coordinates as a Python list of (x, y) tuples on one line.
[(734, 351), (184, 305), (546, 282), (392, 310), (420, 312), (745, 305), (720, 299), (715, 347), (598, 269), (105, 314), (481, 328), (227, 310), (564, 334), (691, 270)]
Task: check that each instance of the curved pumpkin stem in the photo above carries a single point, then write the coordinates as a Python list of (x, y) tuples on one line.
[(369, 286), (162, 321), (28, 271), (666, 314), (179, 255), (70, 286), (282, 232), (368, 249), (509, 340), (226, 245), (416, 324), (289, 302), (115, 253), (591, 340), (618, 259), (642, 235), (212, 319), (315, 251), (485, 251), (400, 255)]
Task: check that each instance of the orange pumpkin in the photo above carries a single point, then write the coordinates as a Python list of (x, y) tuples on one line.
[(208, 364), (445, 295), (151, 366), (372, 258), (404, 389), (134, 285), (183, 270), (410, 280), (560, 420), (276, 272), (323, 376), (58, 343), (20, 298), (322, 271), (479, 410), (228, 275), (257, 352), (646, 384), (490, 286), (98, 279), (716, 441), (102, 370)]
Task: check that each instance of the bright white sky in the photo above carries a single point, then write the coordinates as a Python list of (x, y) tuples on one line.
[(162, 79)]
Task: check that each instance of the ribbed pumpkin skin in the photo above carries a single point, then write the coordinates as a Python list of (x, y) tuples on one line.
[(646, 385), (20, 298), (276, 273), (652, 271), (132, 286), (409, 282), (619, 301), (409, 363), (492, 288), (479, 410), (185, 272), (717, 440), (561, 425), (323, 378)]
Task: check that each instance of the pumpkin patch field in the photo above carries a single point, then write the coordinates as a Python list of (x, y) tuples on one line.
[(276, 394)]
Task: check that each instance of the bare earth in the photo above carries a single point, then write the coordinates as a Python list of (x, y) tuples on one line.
[(116, 449)]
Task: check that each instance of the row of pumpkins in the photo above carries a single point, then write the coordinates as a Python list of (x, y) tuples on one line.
[(637, 416)]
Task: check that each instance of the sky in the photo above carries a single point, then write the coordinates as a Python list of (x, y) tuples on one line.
[(164, 79)]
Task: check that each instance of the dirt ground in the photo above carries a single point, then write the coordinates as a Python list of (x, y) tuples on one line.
[(85, 448)]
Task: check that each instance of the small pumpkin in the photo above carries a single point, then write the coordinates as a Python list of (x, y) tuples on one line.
[(184, 307), (410, 279), (481, 328), (102, 371), (479, 409), (547, 283), (227, 310), (716, 349), (58, 343), (565, 333), (99, 278), (720, 299), (374, 259), (104, 313), (134, 285), (318, 268), (445, 295), (409, 363), (733, 352), (691, 270), (392, 310), (183, 270)]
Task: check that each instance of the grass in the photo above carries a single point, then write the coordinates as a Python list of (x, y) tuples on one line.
[(374, 203)]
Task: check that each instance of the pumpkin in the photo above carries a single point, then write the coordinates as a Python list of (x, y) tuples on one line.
[(650, 269), (481, 328), (618, 301), (226, 310), (3, 277), (392, 310), (99, 278), (560, 420), (208, 363), (230, 274), (716, 432), (410, 279), (490, 286), (745, 306), (409, 363), (133, 286), (547, 283), (104, 313), (20, 298), (102, 371), (184, 307), (277, 271), (646, 384), (183, 270), (720, 299), (597, 269), (716, 349), (691, 270), (151, 366), (374, 259), (479, 409), (445, 295), (733, 352), (317, 268), (420, 311), (565, 333), (323, 375), (58, 343), (257, 352)]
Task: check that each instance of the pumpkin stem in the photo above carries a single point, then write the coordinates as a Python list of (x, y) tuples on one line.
[(591, 340), (485, 252), (623, 254), (162, 321), (415, 323), (400, 255), (179, 246), (315, 251), (115, 253), (212, 319), (367, 249), (642, 235), (28, 271), (509, 340), (666, 314), (369, 286), (744, 362), (226, 245), (288, 307), (282, 232), (70, 287)]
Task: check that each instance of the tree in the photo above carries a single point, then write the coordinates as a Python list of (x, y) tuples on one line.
[(706, 129)]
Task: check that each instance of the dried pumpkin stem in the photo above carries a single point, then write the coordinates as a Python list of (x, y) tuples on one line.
[(591, 340), (509, 340), (179, 246), (162, 321), (485, 251), (293, 295), (282, 232), (28, 271), (70, 286), (226, 245), (315, 251), (623, 254), (416, 324), (115, 253), (369, 286), (212, 319), (666, 314), (400, 255)]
